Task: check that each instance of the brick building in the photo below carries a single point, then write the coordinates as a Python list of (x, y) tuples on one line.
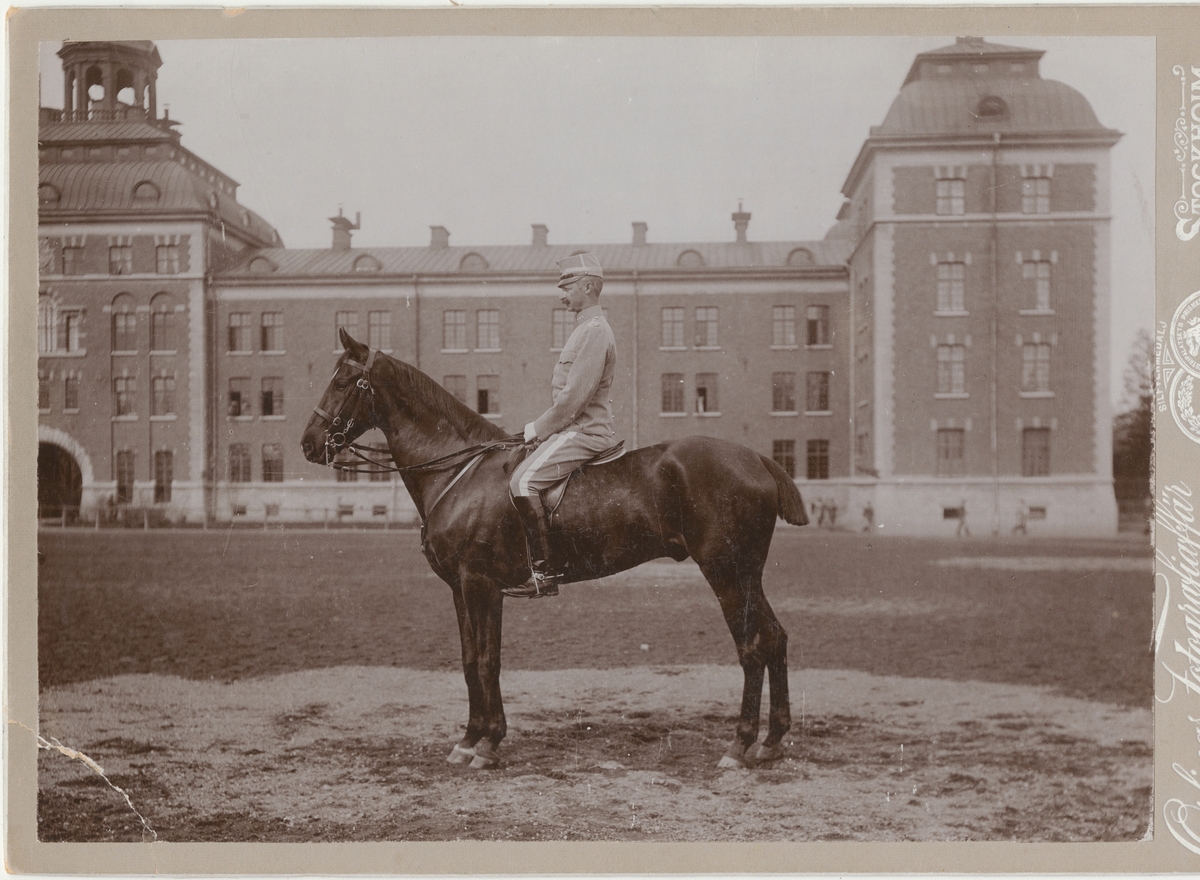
[(964, 285)]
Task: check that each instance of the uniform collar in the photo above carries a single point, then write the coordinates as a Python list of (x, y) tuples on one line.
[(589, 312)]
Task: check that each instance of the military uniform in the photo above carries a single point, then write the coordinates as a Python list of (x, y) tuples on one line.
[(579, 423)]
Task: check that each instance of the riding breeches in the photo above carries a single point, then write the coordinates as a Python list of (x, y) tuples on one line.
[(554, 459)]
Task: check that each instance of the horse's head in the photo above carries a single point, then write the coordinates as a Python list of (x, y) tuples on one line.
[(346, 410)]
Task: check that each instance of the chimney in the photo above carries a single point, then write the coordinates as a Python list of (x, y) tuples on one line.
[(439, 237), (540, 231), (741, 220), (639, 233), (342, 227)]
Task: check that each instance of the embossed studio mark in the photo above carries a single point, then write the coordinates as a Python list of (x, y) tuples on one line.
[(1179, 366), (1186, 140)]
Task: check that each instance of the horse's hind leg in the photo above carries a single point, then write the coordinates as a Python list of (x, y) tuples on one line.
[(780, 718)]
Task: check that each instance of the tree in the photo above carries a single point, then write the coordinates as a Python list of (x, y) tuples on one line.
[(1133, 429)]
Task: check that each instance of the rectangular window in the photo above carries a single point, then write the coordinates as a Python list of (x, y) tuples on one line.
[(162, 396), (272, 396), (818, 325), (71, 393), (950, 196), (672, 328), (1035, 195), (487, 329), (64, 331), (950, 287), (672, 393), (124, 476), (818, 459), (272, 467), (239, 396), (454, 330), (166, 259), (559, 329), (271, 332), (706, 393), (239, 332), (43, 392), (950, 451), (1035, 367), (379, 330), (706, 327), (124, 333), (347, 321), (456, 385), (487, 395), (817, 399), (239, 462), (346, 475), (1038, 271), (120, 260), (72, 261), (164, 466), (951, 375), (1035, 452), (162, 336), (784, 453), (783, 325), (783, 392), (374, 476), (124, 391)]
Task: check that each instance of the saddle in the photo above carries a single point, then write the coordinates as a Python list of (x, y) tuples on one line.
[(552, 496)]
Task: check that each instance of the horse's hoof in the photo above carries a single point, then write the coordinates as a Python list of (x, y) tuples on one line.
[(482, 762), (764, 754), (459, 755), (728, 762)]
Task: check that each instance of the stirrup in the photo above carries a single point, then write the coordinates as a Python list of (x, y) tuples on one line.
[(536, 587)]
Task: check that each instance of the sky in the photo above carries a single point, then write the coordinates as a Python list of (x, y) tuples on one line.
[(489, 135)]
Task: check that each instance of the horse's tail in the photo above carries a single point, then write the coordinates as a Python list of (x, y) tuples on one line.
[(791, 505)]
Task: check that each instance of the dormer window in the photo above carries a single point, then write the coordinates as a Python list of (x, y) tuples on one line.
[(473, 262), (367, 263), (261, 266), (48, 194), (800, 257), (992, 107), (690, 260), (145, 192)]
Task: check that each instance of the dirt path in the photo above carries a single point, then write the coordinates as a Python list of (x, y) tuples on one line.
[(358, 753)]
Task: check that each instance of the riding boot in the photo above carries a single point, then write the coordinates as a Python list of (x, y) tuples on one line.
[(543, 580)]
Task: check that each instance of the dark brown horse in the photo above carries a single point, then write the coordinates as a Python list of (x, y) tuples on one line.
[(714, 501)]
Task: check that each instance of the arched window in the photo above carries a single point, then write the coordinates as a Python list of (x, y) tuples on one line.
[(261, 266), (125, 91), (992, 106), (472, 262), (690, 260), (800, 257), (162, 322), (124, 324), (367, 263), (93, 82), (145, 191)]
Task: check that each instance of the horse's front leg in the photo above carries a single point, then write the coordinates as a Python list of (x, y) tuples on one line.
[(482, 614), (464, 750)]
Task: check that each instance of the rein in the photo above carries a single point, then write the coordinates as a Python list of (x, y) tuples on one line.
[(471, 455)]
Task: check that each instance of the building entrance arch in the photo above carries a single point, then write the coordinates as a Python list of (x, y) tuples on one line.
[(60, 482)]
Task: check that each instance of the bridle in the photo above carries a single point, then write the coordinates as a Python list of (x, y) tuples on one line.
[(342, 424)]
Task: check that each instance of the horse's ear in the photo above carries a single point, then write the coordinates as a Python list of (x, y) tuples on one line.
[(348, 342)]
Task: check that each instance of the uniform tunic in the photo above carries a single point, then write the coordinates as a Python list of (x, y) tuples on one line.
[(579, 422)]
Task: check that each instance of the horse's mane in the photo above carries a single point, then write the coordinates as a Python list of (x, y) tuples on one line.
[(451, 411)]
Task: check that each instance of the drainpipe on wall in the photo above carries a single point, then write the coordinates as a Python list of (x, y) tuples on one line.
[(636, 346), (213, 408), (853, 402), (416, 304), (995, 344)]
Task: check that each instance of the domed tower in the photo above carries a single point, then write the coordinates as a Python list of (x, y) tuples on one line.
[(109, 80), (979, 212)]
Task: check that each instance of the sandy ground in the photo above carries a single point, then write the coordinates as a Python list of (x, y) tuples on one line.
[(358, 753)]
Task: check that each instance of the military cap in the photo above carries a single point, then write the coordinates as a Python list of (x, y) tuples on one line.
[(579, 264)]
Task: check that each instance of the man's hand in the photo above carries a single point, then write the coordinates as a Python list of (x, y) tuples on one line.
[(530, 433)]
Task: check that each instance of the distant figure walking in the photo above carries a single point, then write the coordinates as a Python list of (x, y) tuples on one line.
[(819, 512), (869, 516), (963, 529), (833, 514), (1022, 518)]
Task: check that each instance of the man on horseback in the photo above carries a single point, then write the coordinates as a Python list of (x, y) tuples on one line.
[(578, 424)]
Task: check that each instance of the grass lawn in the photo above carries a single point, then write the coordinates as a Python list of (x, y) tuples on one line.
[(242, 603)]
